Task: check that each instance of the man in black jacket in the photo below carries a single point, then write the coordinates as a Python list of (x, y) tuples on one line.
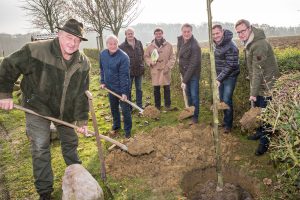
[(227, 67), (134, 49), (189, 54)]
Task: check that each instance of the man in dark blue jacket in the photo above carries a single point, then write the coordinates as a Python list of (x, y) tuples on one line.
[(115, 75), (227, 67)]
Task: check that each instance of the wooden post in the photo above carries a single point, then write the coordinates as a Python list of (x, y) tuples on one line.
[(215, 91)]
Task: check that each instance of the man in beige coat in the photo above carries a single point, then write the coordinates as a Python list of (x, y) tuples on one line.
[(160, 57)]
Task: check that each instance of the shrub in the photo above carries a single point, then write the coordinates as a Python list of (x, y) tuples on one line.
[(283, 113), (92, 53), (288, 59)]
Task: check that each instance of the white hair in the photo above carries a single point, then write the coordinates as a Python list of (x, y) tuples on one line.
[(129, 29), (112, 37)]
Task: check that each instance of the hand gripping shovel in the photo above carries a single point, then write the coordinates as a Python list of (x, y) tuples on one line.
[(122, 146), (149, 111), (127, 101), (99, 144)]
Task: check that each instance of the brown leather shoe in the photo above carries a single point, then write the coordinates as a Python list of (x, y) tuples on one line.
[(113, 133)]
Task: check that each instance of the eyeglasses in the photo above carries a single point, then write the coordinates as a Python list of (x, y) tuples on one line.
[(242, 31)]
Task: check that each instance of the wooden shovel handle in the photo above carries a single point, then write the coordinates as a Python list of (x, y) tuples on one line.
[(98, 140), (252, 104), (184, 96), (122, 146), (127, 101)]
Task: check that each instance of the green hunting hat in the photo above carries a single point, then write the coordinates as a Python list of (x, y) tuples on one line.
[(75, 28)]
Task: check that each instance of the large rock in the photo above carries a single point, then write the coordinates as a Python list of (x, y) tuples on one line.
[(79, 184)]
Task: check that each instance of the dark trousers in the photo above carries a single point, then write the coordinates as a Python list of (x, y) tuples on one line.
[(38, 132), (226, 91), (138, 90), (114, 107), (265, 129), (167, 96), (192, 93)]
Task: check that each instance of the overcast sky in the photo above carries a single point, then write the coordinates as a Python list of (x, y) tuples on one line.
[(272, 12)]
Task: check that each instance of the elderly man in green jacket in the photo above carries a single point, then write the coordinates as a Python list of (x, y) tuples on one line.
[(263, 71), (55, 77)]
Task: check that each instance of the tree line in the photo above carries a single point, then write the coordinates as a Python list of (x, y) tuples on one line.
[(144, 32)]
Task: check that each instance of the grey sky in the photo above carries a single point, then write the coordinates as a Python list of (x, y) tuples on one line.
[(272, 12)]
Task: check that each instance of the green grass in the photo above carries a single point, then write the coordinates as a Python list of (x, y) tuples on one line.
[(15, 158)]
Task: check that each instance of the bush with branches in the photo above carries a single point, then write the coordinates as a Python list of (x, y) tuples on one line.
[(283, 113)]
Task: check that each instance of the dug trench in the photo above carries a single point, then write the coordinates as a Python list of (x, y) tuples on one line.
[(183, 160)]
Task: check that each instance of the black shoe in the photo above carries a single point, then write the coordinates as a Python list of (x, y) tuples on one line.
[(227, 130), (255, 136), (127, 135), (261, 149), (45, 196)]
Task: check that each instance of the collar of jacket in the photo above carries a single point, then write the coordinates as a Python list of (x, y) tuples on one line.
[(250, 39), (154, 44), (49, 52)]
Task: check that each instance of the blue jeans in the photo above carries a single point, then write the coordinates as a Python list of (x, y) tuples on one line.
[(138, 90), (192, 93), (265, 129), (226, 91), (114, 107)]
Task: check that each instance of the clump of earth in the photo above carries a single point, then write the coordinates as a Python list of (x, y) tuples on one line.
[(151, 112), (174, 152), (249, 120)]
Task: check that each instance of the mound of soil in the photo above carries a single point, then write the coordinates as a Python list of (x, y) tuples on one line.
[(177, 150), (151, 112)]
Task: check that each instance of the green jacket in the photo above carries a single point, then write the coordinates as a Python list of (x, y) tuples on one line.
[(261, 63), (49, 87)]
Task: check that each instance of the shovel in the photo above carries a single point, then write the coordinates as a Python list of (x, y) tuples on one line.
[(150, 111), (99, 144), (122, 146), (131, 145), (188, 110), (249, 121), (127, 101)]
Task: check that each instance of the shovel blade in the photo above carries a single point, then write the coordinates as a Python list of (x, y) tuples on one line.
[(186, 113)]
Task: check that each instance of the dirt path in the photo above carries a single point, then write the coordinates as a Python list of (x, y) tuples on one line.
[(178, 151), (4, 192)]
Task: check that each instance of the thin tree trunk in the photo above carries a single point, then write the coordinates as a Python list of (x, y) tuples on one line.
[(215, 100), (100, 39)]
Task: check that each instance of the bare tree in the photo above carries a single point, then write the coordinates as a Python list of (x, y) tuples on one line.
[(119, 14), (46, 14), (89, 12)]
